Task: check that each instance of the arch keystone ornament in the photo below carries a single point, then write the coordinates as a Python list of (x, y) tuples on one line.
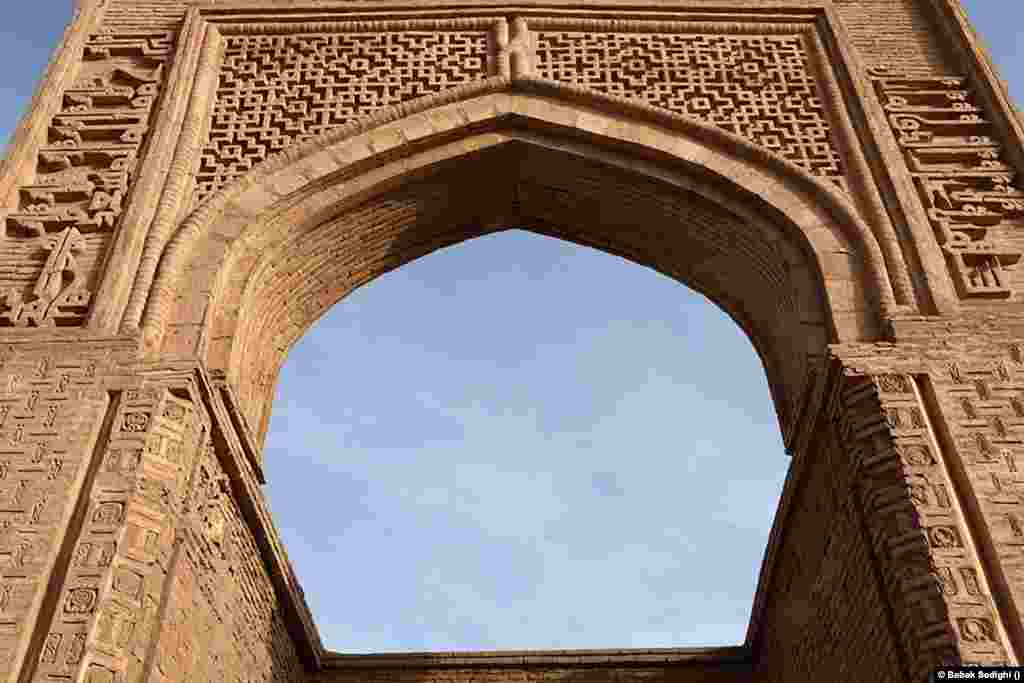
[(196, 182)]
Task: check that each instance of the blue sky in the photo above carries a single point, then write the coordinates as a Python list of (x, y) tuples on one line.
[(517, 442)]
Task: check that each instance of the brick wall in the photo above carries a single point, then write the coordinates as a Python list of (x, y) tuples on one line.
[(109, 487), (52, 408), (826, 617), (892, 33), (705, 670), (222, 618), (132, 15)]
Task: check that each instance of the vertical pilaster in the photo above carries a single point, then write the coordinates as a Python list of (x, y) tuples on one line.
[(938, 588), (982, 407), (53, 413), (111, 590)]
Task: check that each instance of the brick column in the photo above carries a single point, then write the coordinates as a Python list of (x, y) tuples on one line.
[(917, 513), (134, 544), (54, 415), (121, 539)]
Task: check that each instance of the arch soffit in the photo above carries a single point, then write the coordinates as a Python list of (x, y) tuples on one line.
[(244, 208)]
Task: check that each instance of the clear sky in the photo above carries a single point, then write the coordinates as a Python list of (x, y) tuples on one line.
[(517, 442)]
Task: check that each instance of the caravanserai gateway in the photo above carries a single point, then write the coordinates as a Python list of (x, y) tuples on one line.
[(197, 181)]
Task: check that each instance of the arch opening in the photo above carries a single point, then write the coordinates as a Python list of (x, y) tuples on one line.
[(788, 259), (478, 471), (756, 272)]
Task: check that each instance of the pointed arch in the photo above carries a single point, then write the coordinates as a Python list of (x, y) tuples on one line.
[(225, 278)]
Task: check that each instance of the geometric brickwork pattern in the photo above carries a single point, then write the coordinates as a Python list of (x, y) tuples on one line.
[(757, 87), (158, 550), (985, 404), (278, 90), (112, 582), (945, 566)]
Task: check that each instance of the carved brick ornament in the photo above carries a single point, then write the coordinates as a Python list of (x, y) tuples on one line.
[(67, 215), (759, 87), (277, 90), (968, 189)]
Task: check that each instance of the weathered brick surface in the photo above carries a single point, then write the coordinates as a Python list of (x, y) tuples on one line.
[(145, 15), (53, 407), (222, 616), (123, 544), (549, 673), (893, 33), (192, 189)]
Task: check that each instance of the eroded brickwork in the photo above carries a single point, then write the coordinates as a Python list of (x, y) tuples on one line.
[(893, 33), (222, 617)]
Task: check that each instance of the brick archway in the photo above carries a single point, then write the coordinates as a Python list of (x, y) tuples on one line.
[(816, 255), (195, 182)]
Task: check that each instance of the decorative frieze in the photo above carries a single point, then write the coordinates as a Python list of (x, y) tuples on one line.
[(50, 412), (56, 238), (757, 85), (113, 583), (971, 195), (932, 572), (289, 84)]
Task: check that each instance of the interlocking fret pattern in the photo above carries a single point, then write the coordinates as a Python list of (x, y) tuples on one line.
[(276, 90), (758, 87), (970, 193)]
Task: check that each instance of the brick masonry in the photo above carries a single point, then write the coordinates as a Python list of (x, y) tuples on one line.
[(195, 183)]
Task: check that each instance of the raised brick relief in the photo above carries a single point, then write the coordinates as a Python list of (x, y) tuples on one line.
[(221, 587), (276, 90), (970, 193), (50, 411), (942, 602), (985, 414), (759, 87), (114, 581), (57, 237)]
